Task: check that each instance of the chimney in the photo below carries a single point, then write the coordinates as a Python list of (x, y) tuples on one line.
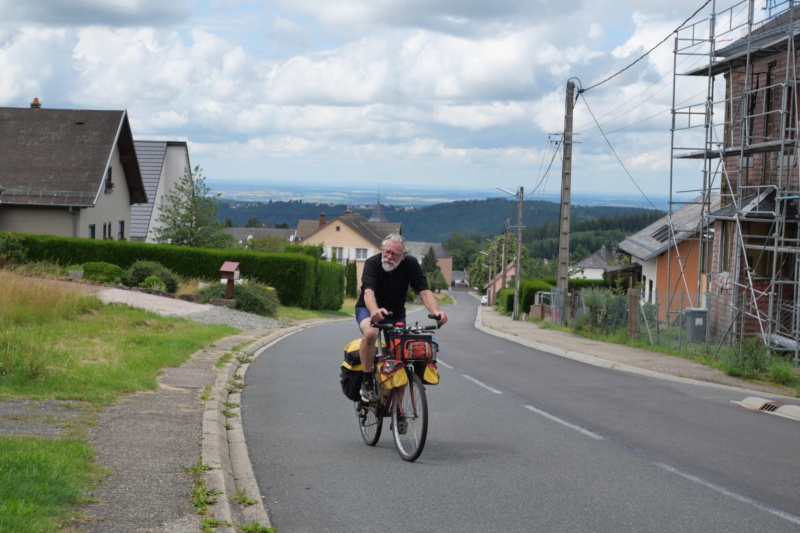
[(35, 104), (603, 251), (322, 221)]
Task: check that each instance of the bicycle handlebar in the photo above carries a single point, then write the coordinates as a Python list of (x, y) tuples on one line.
[(406, 327)]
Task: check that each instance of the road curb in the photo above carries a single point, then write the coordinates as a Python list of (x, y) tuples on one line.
[(224, 448)]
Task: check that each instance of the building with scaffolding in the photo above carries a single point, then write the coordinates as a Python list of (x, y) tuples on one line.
[(743, 130)]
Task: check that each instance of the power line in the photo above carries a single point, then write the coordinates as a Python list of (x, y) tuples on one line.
[(615, 153), (549, 166), (649, 51)]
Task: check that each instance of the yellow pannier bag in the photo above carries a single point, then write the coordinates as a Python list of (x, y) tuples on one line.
[(392, 374), (350, 375), (431, 374)]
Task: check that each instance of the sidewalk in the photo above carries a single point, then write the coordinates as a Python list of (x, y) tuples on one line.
[(615, 356)]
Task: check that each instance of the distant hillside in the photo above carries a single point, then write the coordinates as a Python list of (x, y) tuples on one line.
[(433, 223)]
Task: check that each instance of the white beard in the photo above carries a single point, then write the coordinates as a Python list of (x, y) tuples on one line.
[(388, 266)]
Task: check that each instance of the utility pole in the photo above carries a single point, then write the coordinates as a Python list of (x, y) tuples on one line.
[(492, 275), (518, 276), (562, 278), (505, 253)]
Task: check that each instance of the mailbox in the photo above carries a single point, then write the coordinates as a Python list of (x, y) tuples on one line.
[(230, 271)]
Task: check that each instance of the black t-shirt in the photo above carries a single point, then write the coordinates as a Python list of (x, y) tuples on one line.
[(391, 287)]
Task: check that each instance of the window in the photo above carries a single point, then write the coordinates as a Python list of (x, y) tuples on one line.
[(361, 253), (121, 235), (92, 231), (337, 253), (726, 241)]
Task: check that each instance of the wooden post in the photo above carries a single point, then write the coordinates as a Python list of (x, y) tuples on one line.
[(633, 314)]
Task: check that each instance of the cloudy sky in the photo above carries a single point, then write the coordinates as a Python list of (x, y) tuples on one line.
[(451, 93)]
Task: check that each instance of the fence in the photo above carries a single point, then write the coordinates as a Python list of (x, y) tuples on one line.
[(689, 322)]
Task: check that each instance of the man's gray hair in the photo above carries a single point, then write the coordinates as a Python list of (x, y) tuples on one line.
[(396, 238)]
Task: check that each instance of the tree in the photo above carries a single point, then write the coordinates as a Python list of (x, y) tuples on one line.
[(187, 216), (351, 276), (253, 222), (439, 283), (429, 265), (463, 249), (267, 244)]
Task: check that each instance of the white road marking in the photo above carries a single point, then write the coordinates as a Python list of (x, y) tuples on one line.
[(579, 429), (738, 497), (482, 384)]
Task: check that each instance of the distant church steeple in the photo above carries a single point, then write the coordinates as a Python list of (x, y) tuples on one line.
[(377, 215)]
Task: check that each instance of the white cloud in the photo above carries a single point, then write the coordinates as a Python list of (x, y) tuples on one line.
[(480, 116), (458, 86)]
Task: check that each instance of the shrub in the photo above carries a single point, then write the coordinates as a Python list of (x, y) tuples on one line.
[(249, 297), (102, 272), (12, 251), (141, 270), (153, 282), (782, 371), (747, 360)]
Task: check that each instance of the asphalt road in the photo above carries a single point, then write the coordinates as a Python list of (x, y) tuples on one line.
[(519, 440)]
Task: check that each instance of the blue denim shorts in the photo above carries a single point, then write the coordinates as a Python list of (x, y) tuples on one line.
[(362, 313)]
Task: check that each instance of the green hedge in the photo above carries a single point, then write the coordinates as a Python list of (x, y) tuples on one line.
[(527, 289), (328, 286), (575, 285), (504, 300), (299, 280)]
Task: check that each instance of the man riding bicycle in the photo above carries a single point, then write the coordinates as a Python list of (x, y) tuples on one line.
[(384, 285)]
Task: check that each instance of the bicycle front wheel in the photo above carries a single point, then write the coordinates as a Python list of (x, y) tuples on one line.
[(370, 422), (410, 418)]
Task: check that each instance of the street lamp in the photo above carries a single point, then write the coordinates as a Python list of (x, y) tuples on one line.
[(520, 197)]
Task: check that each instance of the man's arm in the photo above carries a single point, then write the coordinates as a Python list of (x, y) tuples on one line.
[(432, 305), (376, 314)]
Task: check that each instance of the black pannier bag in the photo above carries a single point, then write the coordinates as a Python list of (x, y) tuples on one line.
[(351, 372)]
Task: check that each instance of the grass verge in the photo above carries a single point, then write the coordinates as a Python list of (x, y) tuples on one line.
[(59, 343), (42, 481)]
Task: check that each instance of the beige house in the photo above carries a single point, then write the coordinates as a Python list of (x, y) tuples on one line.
[(71, 173), (351, 237), (163, 164)]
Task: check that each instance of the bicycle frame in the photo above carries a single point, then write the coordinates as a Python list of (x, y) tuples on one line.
[(406, 405)]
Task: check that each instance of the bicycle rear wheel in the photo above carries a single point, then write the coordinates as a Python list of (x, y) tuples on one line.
[(410, 418), (370, 421)]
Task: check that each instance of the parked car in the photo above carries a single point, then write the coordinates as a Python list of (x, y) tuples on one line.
[(485, 299)]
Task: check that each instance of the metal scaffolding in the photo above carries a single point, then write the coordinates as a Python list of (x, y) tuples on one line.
[(742, 126)]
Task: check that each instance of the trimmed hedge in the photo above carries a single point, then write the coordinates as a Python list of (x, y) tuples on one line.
[(528, 289), (299, 280)]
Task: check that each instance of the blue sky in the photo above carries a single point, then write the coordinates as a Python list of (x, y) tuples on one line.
[(451, 93)]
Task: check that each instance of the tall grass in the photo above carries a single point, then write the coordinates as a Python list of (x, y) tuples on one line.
[(28, 301)]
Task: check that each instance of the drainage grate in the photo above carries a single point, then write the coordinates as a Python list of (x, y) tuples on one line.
[(770, 407)]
